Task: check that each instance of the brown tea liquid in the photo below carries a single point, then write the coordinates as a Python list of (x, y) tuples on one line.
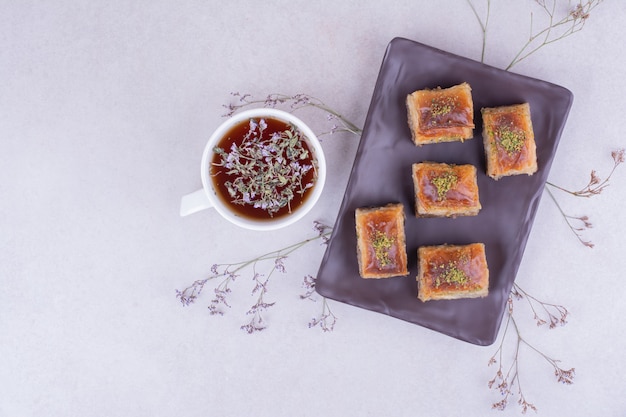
[(219, 174)]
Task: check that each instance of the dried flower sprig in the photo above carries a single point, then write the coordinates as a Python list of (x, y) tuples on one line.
[(292, 103), (326, 320), (583, 222), (595, 186), (230, 272), (309, 284), (543, 312), (558, 26), (189, 295), (507, 380), (221, 291), (257, 323)]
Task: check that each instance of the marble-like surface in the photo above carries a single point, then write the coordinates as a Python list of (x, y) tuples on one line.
[(105, 108)]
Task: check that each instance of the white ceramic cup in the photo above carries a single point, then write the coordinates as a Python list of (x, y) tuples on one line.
[(207, 198)]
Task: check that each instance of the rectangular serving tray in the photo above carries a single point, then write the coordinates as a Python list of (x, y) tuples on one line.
[(381, 174)]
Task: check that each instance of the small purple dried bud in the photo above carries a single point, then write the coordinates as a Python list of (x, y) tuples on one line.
[(579, 13), (565, 376), (500, 405), (322, 230), (540, 321), (526, 405), (279, 264)]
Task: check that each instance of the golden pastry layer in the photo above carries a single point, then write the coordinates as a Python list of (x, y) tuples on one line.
[(509, 141), (441, 115), (448, 272), (381, 243), (444, 190)]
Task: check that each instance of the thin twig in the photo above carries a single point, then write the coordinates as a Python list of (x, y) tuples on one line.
[(568, 219), (294, 102), (505, 382), (576, 20), (595, 185), (483, 26)]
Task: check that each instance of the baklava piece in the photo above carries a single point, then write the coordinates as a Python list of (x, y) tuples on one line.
[(509, 141), (381, 245), (443, 190), (441, 115), (448, 272)]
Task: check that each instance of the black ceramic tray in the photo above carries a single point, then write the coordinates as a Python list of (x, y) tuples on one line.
[(382, 174)]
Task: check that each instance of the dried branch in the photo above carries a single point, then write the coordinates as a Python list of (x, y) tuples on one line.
[(543, 312), (556, 28), (483, 26), (596, 185), (508, 380), (293, 103), (584, 220), (326, 320), (230, 271)]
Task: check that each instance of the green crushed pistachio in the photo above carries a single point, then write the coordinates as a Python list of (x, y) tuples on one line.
[(439, 109), (451, 274), (382, 244), (444, 183), (512, 141)]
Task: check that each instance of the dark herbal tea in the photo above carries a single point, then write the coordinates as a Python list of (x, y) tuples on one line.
[(263, 168)]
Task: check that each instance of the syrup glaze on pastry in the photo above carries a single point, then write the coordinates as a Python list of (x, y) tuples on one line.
[(441, 115), (445, 190), (452, 271), (509, 141), (381, 244)]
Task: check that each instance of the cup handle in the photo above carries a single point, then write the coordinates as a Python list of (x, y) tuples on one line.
[(194, 202)]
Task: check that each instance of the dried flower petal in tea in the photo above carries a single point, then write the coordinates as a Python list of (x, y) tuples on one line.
[(263, 168)]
